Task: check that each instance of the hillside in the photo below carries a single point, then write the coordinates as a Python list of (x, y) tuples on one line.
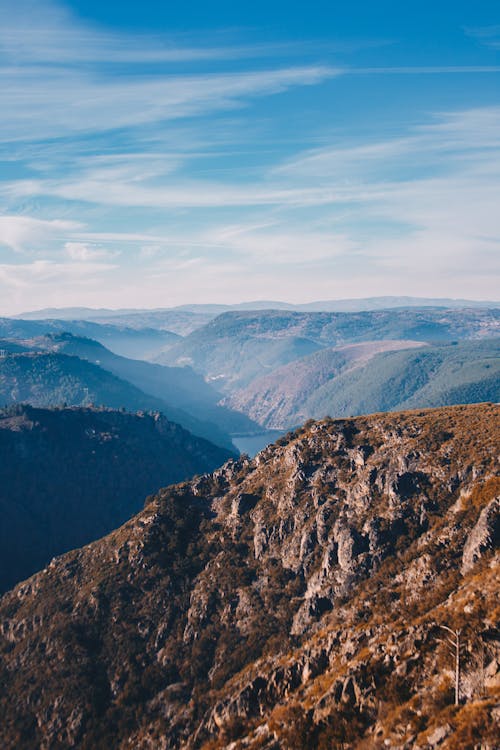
[(54, 379), (363, 378), (121, 339), (291, 601), (174, 320), (238, 347), (180, 387), (68, 476)]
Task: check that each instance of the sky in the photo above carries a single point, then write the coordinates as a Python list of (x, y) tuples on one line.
[(154, 154)]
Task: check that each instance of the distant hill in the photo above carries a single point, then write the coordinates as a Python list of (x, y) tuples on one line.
[(68, 476), (11, 346), (237, 347), (361, 378), (281, 397), (53, 379), (180, 387), (129, 342), (358, 304), (184, 319), (176, 320)]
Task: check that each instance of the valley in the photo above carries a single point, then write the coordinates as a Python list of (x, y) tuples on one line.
[(178, 596)]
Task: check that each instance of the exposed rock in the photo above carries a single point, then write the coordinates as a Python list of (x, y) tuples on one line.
[(297, 595), (484, 536), (439, 735)]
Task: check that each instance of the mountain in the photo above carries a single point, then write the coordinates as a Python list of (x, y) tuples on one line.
[(176, 320), (185, 319), (387, 303), (11, 346), (68, 476), (292, 601), (129, 342), (335, 305), (343, 305), (180, 387), (363, 378), (54, 379), (238, 347)]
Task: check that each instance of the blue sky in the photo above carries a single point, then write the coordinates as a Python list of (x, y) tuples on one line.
[(154, 154)]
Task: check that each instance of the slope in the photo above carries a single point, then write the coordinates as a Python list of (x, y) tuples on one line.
[(129, 342), (238, 347), (68, 476), (279, 399), (363, 378), (290, 601), (54, 379), (180, 387), (435, 376)]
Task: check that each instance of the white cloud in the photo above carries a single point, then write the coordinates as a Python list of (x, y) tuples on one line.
[(23, 233), (276, 247), (41, 271), (83, 252), (487, 35), (74, 102), (55, 36), (168, 204), (41, 282)]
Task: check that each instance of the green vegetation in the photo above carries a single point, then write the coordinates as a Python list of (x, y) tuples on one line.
[(468, 372), (237, 347), (362, 379), (68, 476), (54, 379)]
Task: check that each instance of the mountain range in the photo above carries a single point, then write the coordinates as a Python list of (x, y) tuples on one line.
[(245, 371), (129, 342), (237, 347), (335, 305), (295, 600), (55, 379), (62, 368)]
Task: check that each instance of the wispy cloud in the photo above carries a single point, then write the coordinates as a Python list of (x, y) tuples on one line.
[(159, 162), (424, 70), (53, 37), (487, 35), (86, 253), (72, 102), (23, 233)]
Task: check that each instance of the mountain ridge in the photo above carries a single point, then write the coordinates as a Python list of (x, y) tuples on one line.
[(48, 378), (348, 304), (290, 601), (237, 347)]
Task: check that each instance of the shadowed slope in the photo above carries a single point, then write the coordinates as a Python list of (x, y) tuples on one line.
[(68, 476)]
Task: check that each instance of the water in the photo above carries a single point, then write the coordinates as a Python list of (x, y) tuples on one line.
[(252, 444)]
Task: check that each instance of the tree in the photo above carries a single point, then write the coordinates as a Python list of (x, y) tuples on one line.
[(454, 644)]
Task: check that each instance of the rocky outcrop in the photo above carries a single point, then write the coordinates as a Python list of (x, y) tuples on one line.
[(484, 537), (293, 600)]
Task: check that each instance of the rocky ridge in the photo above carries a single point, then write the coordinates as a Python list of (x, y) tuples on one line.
[(294, 600)]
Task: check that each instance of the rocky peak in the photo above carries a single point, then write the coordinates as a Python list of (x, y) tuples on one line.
[(293, 600)]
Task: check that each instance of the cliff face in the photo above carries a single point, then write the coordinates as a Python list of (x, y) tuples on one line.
[(290, 601)]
